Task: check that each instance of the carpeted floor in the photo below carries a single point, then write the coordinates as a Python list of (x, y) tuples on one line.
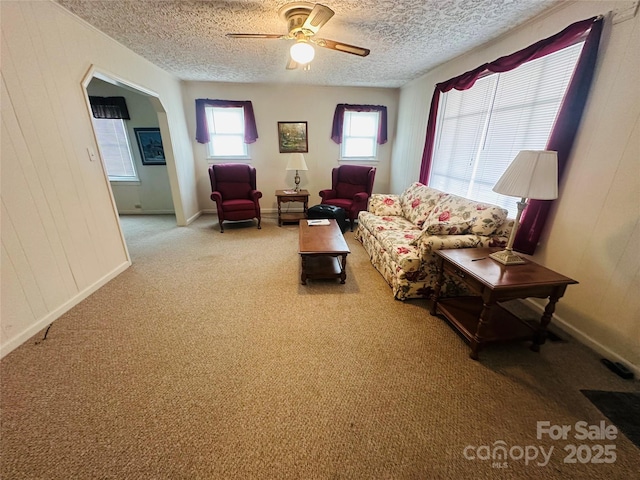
[(621, 408), (208, 360)]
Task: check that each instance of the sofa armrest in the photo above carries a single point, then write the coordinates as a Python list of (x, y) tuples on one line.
[(385, 204), (430, 243), (327, 194), (504, 230), (216, 197)]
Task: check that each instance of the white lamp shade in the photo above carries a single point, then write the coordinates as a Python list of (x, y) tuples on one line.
[(532, 174), (302, 52), (296, 162)]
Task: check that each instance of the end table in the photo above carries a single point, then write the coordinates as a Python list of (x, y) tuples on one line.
[(480, 319), (286, 196)]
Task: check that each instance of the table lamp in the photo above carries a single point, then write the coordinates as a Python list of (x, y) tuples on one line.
[(296, 162), (533, 174)]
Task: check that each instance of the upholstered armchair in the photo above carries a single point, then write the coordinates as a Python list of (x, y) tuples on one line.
[(233, 188), (351, 186)]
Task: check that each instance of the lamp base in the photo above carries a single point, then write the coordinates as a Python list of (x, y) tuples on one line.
[(296, 179), (507, 257)]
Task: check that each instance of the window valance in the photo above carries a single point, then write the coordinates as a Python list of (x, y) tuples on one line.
[(202, 132), (109, 107), (338, 120)]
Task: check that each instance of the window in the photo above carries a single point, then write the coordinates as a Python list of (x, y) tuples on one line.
[(480, 130), (226, 132), (359, 135), (115, 149)]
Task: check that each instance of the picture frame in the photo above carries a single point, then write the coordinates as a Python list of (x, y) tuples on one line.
[(150, 145), (292, 137)]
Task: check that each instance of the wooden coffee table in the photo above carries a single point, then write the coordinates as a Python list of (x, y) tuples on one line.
[(323, 251)]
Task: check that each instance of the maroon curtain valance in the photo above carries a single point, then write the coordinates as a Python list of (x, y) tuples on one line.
[(202, 131), (109, 107), (338, 120), (567, 122)]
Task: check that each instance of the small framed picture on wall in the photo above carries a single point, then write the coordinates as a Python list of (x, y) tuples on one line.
[(150, 145), (292, 137)]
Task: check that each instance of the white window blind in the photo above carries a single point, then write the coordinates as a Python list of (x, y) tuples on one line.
[(226, 132), (115, 149), (359, 135), (481, 130)]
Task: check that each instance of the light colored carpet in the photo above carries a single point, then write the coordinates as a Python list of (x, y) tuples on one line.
[(208, 360)]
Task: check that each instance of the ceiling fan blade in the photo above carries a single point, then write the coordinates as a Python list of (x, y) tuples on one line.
[(255, 35), (341, 47), (317, 18), (292, 65)]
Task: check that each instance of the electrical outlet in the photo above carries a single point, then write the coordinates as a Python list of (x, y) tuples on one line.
[(621, 14)]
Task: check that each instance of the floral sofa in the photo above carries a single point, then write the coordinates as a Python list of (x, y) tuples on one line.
[(401, 233)]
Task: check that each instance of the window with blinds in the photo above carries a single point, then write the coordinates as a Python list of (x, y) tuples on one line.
[(115, 149), (480, 131), (226, 132)]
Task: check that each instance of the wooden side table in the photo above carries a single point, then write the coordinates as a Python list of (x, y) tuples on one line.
[(480, 319), (301, 196)]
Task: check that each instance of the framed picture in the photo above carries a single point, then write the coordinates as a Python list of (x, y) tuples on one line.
[(292, 137), (150, 145)]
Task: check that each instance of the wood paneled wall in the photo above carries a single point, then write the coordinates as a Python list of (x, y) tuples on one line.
[(61, 238)]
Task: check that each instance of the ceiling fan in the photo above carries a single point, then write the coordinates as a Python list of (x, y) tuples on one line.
[(304, 19)]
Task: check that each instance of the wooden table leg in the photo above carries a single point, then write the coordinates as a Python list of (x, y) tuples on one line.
[(438, 287), (303, 275), (477, 340), (343, 268), (541, 334)]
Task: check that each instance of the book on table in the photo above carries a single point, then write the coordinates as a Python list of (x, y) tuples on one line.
[(319, 221)]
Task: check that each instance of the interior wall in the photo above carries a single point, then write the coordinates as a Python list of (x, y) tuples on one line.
[(274, 103), (592, 233), (152, 193), (61, 238)]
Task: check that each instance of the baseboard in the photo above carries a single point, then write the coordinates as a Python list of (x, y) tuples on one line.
[(584, 338), (22, 337), (137, 211), (194, 217), (263, 211)]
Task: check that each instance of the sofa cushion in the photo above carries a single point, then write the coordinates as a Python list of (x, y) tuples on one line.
[(484, 218), (381, 204), (398, 244), (418, 201), (377, 223)]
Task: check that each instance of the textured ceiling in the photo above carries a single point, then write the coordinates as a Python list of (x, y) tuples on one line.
[(406, 38)]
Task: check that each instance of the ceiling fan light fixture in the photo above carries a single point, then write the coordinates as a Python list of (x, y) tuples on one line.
[(302, 52)]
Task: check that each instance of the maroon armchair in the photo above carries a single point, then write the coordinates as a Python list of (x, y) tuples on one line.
[(351, 187), (233, 188)]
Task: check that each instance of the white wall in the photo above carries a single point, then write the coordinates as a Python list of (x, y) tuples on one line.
[(274, 103), (60, 233), (592, 234), (151, 194)]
